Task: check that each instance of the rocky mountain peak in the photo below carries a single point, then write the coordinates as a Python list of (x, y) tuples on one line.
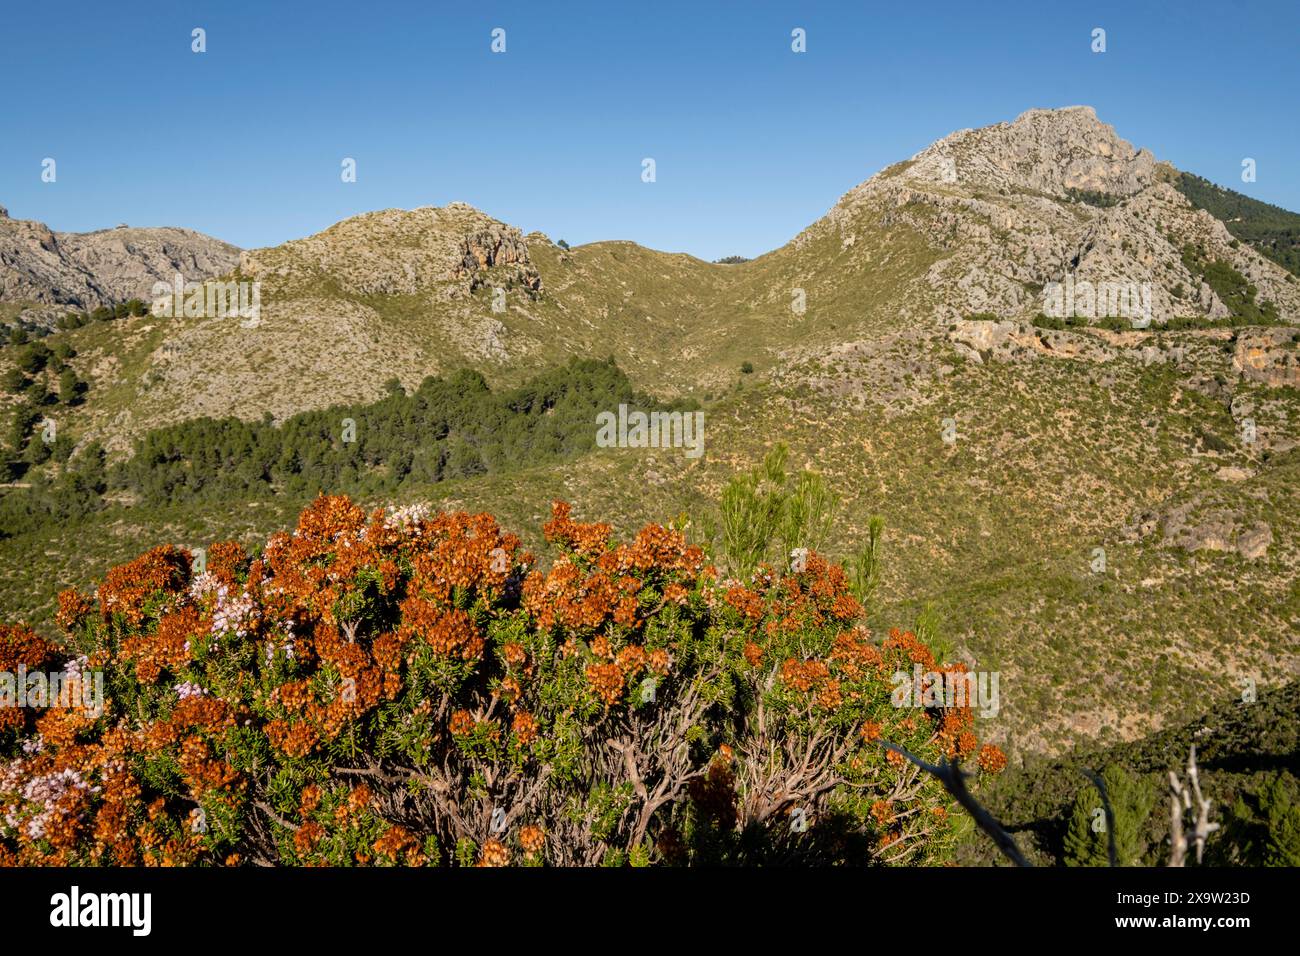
[(1053, 196), (1052, 151)]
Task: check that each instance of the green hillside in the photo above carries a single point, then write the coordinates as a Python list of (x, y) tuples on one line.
[(1272, 230)]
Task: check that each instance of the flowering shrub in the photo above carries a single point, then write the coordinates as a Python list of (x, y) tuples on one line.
[(411, 689)]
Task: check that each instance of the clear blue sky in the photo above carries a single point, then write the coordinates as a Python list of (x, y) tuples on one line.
[(752, 141)]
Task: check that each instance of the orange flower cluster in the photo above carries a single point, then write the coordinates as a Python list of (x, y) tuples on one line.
[(450, 633), (494, 853), (909, 646), (587, 539), (128, 587), (462, 723), (805, 675), (599, 585), (813, 676), (746, 603), (168, 647), (956, 734), (356, 643), (532, 839), (226, 561), (992, 759), (606, 682), (882, 812), (816, 597), (525, 728), (74, 608), (566, 597), (855, 655), (398, 843), (20, 646)]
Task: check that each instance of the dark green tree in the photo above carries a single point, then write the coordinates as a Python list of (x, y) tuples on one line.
[(1132, 799), (70, 387), (14, 381)]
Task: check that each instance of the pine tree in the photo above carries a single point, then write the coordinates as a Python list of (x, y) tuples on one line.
[(69, 387), (1131, 799), (1282, 811)]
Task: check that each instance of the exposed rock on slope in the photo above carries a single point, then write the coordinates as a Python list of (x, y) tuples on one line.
[(1048, 151), (1220, 528), (90, 269), (1271, 356), (380, 295), (498, 245)]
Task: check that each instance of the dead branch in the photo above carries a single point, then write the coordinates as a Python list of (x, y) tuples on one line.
[(1182, 800), (1100, 784)]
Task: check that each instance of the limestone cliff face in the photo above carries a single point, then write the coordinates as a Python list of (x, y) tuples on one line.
[(498, 245), (1271, 356)]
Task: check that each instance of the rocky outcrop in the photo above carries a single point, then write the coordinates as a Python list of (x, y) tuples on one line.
[(498, 245), (1217, 532), (981, 340), (1270, 356), (1203, 524), (126, 262), (442, 252), (1049, 151)]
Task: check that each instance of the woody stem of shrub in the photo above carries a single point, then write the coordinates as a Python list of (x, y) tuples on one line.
[(953, 780), (803, 774), (674, 770)]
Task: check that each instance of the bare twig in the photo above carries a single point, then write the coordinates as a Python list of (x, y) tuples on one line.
[(1181, 800), (1100, 784), (266, 808)]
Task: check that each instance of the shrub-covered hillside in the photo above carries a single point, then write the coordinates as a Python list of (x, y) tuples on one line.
[(447, 428), (1248, 752), (411, 688)]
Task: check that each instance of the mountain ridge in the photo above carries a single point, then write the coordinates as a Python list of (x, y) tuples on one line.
[(978, 223), (86, 270)]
